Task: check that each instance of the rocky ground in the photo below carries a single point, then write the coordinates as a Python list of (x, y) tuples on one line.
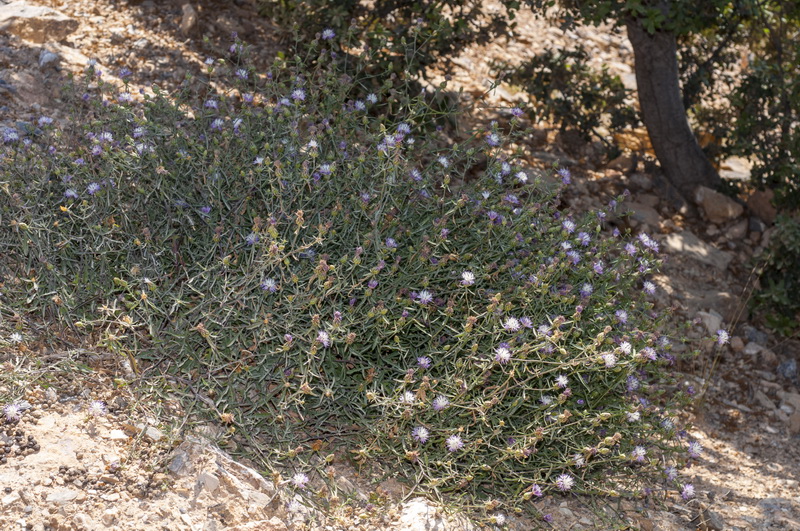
[(66, 463)]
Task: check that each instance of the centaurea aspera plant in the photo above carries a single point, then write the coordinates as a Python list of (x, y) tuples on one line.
[(317, 277)]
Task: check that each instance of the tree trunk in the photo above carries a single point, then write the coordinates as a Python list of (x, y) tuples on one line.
[(656, 64)]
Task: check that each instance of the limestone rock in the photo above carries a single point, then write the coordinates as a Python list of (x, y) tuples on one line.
[(29, 89), (62, 496), (718, 208), (189, 19), (48, 59), (711, 320), (35, 23), (760, 204), (737, 231), (687, 243), (642, 213), (794, 423), (419, 515)]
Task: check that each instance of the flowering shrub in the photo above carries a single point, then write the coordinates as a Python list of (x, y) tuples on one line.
[(308, 267)]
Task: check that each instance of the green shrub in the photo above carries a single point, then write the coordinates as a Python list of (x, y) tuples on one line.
[(405, 36), (307, 266), (565, 89), (780, 277)]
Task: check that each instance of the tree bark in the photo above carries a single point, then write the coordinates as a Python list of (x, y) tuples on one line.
[(661, 104)]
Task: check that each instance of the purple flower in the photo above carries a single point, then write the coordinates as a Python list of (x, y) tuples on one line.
[(562, 381), (502, 354), (648, 353), (568, 225), (328, 34), (598, 267), (493, 139), (609, 359), (424, 362), (217, 124), (565, 482), (391, 243), (93, 188), (420, 434), (372, 284), (586, 290), (536, 490), (425, 297), (299, 94), (622, 316), (454, 443), (695, 449), (638, 454), (566, 176), (547, 518), (70, 193), (467, 278), (670, 473), (584, 238), (299, 480), (722, 337), (12, 412), (574, 257), (251, 239), (269, 284), (124, 97), (440, 403), (10, 135), (516, 111), (242, 74), (687, 492), (211, 104), (324, 338), (97, 408), (511, 324), (648, 287)]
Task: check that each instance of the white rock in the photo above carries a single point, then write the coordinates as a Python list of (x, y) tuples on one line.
[(48, 59), (189, 19), (687, 243), (10, 499), (419, 515), (711, 320), (752, 349), (208, 480), (718, 208), (62, 496), (35, 23), (118, 435), (110, 516)]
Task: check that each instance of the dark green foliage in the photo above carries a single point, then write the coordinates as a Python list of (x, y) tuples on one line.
[(405, 36), (780, 277), (568, 91)]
